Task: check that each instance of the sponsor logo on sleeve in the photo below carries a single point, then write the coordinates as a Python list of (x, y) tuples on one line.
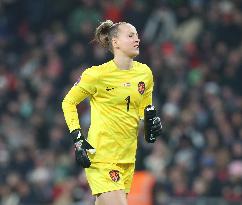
[(78, 81)]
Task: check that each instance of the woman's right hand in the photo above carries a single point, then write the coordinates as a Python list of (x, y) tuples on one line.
[(81, 148)]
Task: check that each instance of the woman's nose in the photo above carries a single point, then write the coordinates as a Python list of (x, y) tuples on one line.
[(137, 40)]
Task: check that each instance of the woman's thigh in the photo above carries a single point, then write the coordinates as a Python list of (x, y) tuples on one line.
[(117, 197)]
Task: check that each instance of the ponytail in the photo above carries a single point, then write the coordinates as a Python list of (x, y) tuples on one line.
[(105, 32)]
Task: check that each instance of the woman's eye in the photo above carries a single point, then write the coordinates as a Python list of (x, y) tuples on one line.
[(130, 35)]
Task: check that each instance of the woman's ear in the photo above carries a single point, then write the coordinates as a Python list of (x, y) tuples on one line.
[(115, 43)]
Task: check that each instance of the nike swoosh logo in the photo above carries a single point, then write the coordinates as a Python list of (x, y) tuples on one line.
[(108, 89)]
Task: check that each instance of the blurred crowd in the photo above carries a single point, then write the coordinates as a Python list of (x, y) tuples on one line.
[(194, 48)]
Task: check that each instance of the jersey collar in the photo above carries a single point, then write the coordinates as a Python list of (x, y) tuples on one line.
[(116, 67)]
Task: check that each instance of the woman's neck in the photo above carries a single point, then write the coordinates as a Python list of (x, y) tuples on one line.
[(123, 62)]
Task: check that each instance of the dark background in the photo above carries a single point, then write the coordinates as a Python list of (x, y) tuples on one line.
[(195, 52)]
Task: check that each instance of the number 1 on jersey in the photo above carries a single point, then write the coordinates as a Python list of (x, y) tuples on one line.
[(128, 102)]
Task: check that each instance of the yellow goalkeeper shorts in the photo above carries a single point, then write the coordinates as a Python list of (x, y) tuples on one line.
[(105, 177)]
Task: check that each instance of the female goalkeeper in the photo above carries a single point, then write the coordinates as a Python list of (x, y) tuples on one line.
[(120, 92)]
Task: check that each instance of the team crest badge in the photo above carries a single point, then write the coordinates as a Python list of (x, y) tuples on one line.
[(114, 175), (141, 87)]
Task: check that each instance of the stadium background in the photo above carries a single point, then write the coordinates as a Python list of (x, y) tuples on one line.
[(194, 49)]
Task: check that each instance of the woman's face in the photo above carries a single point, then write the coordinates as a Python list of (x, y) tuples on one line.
[(127, 40)]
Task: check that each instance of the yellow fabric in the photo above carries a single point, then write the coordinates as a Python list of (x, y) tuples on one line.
[(72, 99), (100, 181), (117, 105)]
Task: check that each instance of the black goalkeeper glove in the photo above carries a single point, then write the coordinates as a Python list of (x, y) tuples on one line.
[(81, 148), (152, 124)]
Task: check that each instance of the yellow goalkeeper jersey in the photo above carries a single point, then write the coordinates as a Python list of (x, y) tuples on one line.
[(118, 98)]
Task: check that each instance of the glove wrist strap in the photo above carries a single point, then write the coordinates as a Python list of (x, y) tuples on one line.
[(77, 136)]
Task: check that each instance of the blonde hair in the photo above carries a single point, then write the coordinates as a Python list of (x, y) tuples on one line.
[(105, 32)]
